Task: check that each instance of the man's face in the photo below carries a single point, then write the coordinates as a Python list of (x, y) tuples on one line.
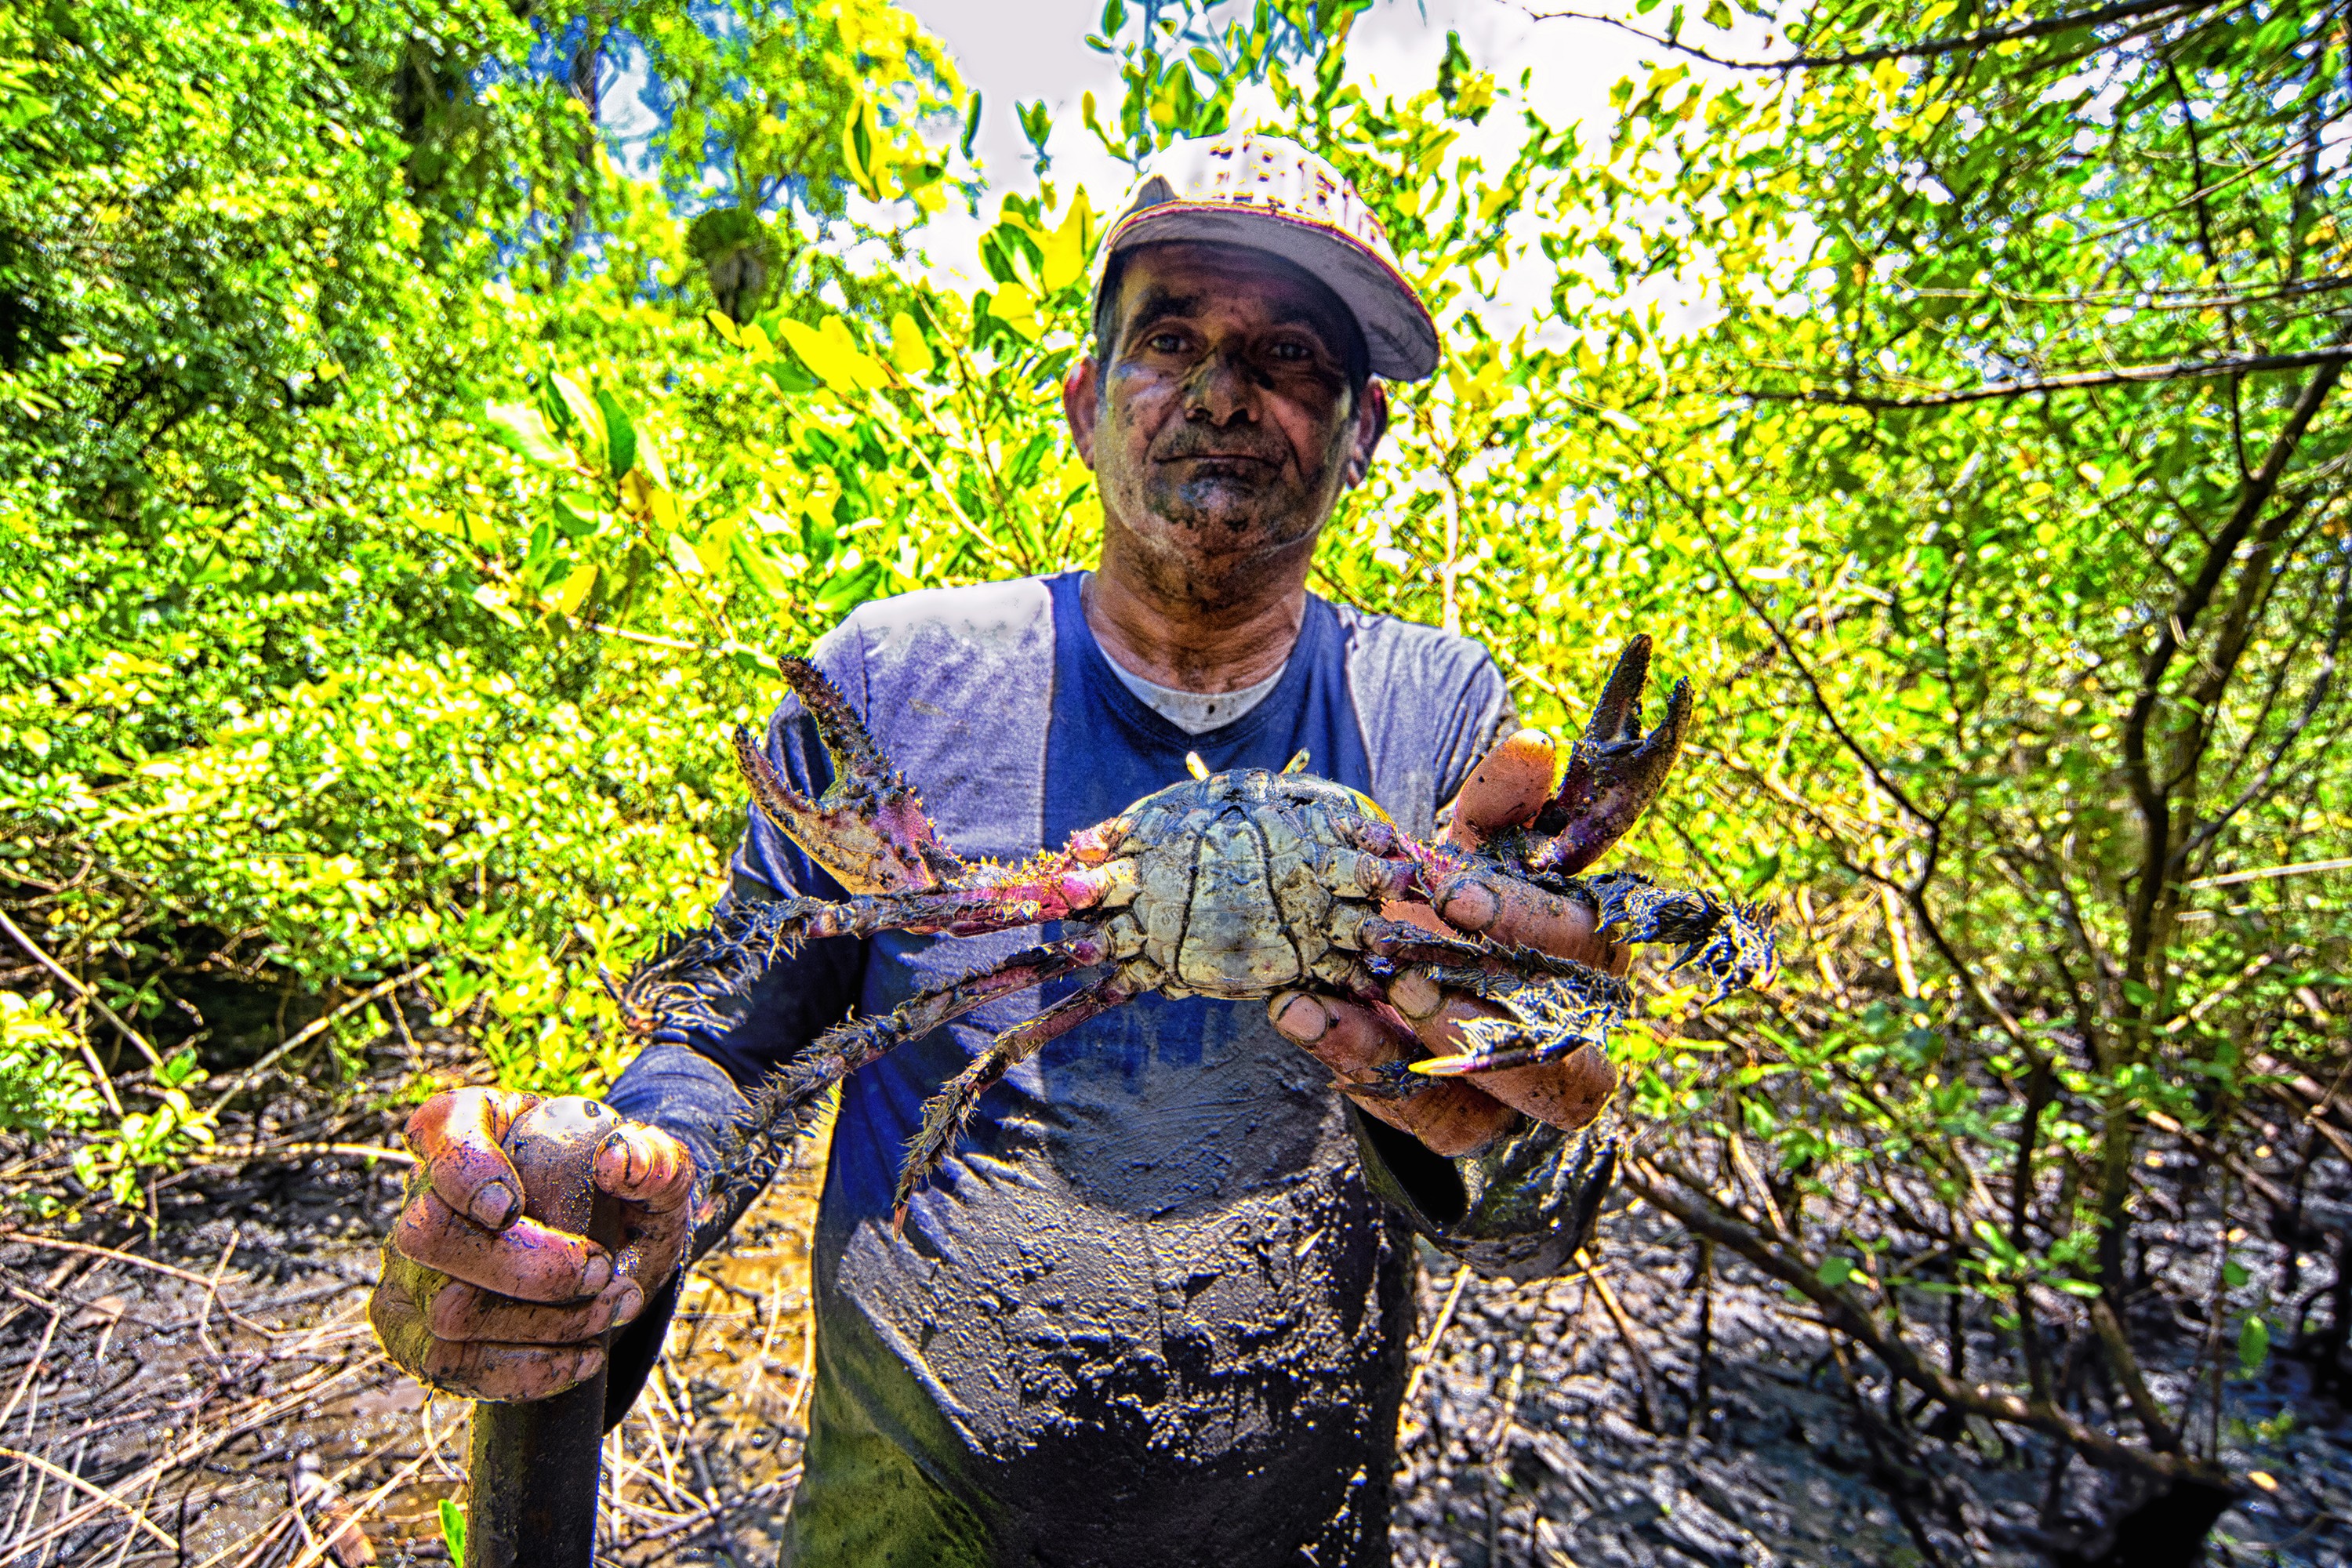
[(1222, 427)]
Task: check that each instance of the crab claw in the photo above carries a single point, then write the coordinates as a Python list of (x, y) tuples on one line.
[(1615, 771), (869, 828)]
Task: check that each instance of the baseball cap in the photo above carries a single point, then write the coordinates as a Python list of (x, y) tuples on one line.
[(1246, 187)]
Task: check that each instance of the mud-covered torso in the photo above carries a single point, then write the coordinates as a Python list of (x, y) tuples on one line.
[(1151, 1280), (1228, 894)]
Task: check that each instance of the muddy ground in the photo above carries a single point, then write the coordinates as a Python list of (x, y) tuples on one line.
[(203, 1389)]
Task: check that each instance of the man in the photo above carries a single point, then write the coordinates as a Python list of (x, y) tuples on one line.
[(1154, 1309)]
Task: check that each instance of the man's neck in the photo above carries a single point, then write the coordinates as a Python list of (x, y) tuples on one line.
[(1174, 640)]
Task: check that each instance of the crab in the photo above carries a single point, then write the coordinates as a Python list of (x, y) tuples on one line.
[(1234, 884)]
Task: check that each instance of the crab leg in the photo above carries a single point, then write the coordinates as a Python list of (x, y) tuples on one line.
[(945, 1117), (1730, 943), (1543, 1021), (1551, 1006), (782, 1109), (869, 828), (680, 985)]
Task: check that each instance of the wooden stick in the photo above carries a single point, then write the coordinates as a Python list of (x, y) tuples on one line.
[(801, 1394), (319, 1544), (137, 1262), (750, 1396), (1429, 1346), (2184, 370), (292, 1398), (1650, 1403), (223, 1156), (311, 1031), (85, 994), (763, 1490), (137, 1518), (1840, 1312), (2232, 879)]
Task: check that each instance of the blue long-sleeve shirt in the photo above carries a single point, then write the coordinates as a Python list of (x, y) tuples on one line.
[(1151, 1310)]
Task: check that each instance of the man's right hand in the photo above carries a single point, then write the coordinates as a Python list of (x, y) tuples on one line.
[(480, 1301)]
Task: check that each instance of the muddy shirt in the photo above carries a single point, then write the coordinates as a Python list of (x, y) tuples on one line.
[(1153, 1308)]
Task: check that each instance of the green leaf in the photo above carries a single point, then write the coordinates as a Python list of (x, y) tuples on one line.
[(524, 428), (1719, 14), (569, 597), (586, 414), (2253, 1345), (1017, 308), (682, 555), (1834, 1271), (834, 357), (620, 434), (908, 350), (760, 566), (858, 143), (850, 588), (453, 1529), (576, 516), (1067, 249), (2233, 1274)]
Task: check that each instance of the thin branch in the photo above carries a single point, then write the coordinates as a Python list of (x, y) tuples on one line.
[(311, 1031), (1926, 49), (2144, 1403), (2155, 815), (2185, 369), (58, 1472), (2261, 781), (81, 990), (2232, 879), (1841, 1312), (1652, 1410), (2146, 299)]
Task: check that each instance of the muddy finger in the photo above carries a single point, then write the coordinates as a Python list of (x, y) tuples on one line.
[(509, 1374), (454, 1137), (399, 1326), (526, 1260), (1354, 1042), (1509, 786), (645, 1165), (1567, 1093), (1511, 911), (468, 1313)]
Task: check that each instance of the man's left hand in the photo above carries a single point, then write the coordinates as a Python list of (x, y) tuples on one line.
[(1451, 1116)]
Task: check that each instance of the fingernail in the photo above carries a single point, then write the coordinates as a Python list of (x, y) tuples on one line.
[(1415, 994), (596, 1275), (1303, 1019), (494, 1205), (632, 1302), (1472, 906), (587, 1362)]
